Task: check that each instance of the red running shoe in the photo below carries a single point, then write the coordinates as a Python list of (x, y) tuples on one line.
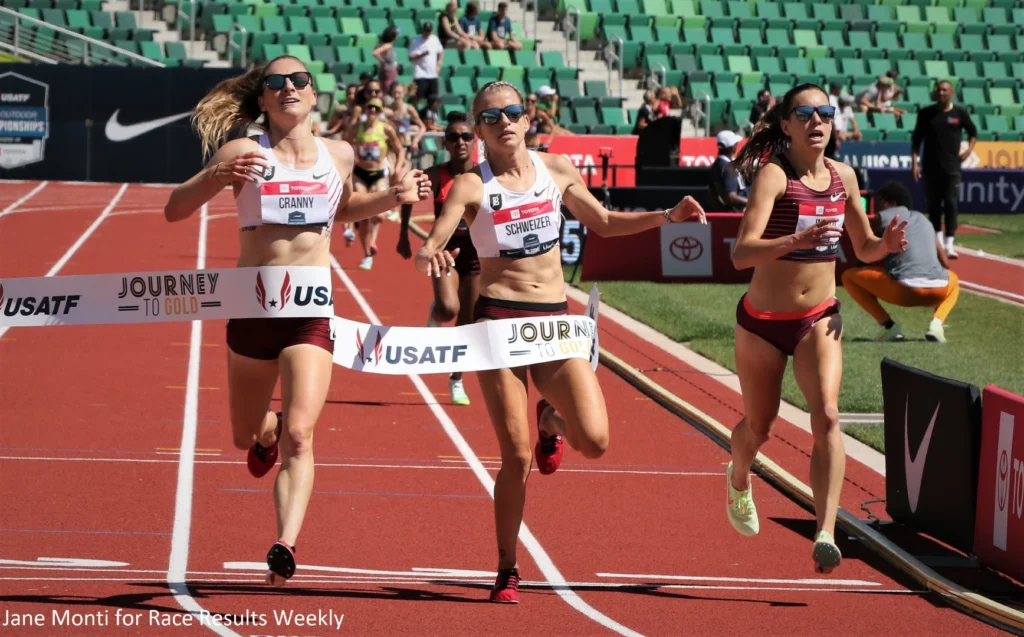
[(506, 587), (549, 448), (262, 459)]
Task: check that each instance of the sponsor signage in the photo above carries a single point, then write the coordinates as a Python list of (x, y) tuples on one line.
[(74, 122), (586, 153), (24, 120), (999, 528), (882, 154), (984, 191), (683, 252), (701, 151), (932, 443)]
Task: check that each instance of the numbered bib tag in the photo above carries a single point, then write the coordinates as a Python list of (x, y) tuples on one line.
[(527, 230), (294, 202), (812, 213)]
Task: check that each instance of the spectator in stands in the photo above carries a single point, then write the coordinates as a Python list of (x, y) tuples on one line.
[(764, 102), (448, 30), (470, 25), (549, 110), (728, 189), (535, 123), (918, 277), (499, 30), (668, 98), (385, 53), (427, 55), (431, 116), (940, 127), (646, 113), (878, 97)]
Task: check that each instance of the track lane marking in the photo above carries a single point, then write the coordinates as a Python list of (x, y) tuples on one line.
[(537, 552), (14, 206)]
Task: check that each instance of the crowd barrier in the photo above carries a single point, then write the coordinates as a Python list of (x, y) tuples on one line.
[(954, 463), (101, 123)]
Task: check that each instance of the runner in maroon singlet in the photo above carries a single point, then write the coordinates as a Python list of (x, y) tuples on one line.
[(454, 296), (799, 203)]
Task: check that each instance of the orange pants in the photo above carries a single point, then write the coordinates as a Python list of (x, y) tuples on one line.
[(869, 284)]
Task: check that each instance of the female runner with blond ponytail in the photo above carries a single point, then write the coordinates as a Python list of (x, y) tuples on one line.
[(279, 97)]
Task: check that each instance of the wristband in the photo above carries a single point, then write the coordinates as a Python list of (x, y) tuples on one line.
[(668, 215)]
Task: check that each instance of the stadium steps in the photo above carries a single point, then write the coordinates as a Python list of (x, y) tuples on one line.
[(163, 33)]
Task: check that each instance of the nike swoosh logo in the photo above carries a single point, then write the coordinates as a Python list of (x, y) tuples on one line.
[(117, 132), (321, 176), (538, 194), (836, 196), (914, 469)]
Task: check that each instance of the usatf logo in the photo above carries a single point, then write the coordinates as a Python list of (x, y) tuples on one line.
[(377, 348), (261, 292), (34, 306)]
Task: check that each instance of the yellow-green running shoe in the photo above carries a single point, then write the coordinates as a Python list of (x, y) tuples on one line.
[(458, 392), (826, 554), (739, 505)]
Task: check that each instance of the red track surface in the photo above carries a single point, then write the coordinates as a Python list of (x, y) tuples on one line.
[(93, 468)]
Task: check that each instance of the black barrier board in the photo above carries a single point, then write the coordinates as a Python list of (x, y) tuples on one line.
[(102, 123), (932, 452)]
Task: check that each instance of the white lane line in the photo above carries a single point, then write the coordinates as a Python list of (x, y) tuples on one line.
[(743, 580), (178, 561), (995, 293), (540, 556), (78, 244), (462, 466), (32, 193)]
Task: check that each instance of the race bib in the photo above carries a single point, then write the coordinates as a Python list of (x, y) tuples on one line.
[(369, 151), (812, 213), (295, 202), (526, 231)]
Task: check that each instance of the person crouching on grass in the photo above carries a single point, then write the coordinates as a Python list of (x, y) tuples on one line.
[(918, 277)]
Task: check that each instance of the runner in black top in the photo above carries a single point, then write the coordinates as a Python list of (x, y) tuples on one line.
[(941, 126)]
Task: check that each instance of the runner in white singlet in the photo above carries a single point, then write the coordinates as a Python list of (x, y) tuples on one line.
[(289, 187), (513, 203)]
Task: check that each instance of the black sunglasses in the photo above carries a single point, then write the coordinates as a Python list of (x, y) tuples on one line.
[(300, 79), (491, 116), (453, 138), (804, 113)]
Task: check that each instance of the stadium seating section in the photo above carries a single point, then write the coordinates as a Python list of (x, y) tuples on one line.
[(723, 51)]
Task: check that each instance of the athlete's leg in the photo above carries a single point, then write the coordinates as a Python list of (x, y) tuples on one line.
[(305, 378), (446, 298), (468, 291), (505, 394), (818, 369), (251, 385), (373, 225), (579, 413), (759, 368)]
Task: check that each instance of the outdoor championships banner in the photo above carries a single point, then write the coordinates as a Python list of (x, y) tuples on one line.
[(290, 292), (98, 123)]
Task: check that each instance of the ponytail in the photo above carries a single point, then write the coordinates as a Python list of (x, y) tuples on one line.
[(232, 102), (767, 139)]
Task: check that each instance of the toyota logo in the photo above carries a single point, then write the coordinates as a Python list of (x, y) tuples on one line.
[(1002, 484), (685, 249)]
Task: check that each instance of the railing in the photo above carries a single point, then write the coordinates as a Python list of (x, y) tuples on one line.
[(191, 24), (530, 34), (707, 113), (572, 28), (242, 46), (613, 57), (38, 40), (663, 75)]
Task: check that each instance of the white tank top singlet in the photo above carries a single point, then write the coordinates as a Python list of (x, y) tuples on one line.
[(517, 224), (286, 196)]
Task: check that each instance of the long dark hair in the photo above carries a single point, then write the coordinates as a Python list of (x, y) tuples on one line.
[(767, 138)]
